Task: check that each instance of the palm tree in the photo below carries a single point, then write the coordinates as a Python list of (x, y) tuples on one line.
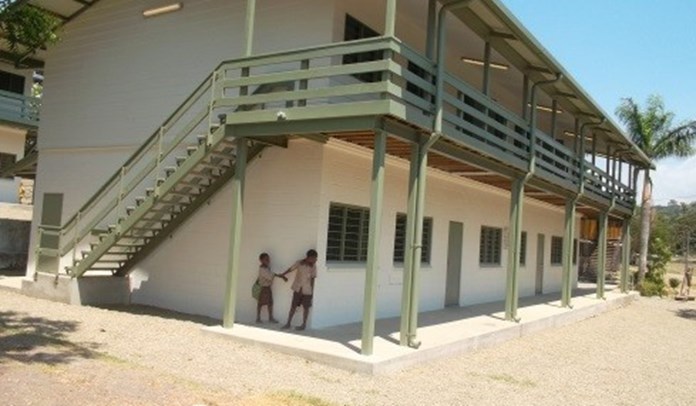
[(651, 129)]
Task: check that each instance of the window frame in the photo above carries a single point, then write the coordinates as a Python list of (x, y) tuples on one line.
[(556, 250), (7, 160), (427, 242), (362, 240), (497, 250)]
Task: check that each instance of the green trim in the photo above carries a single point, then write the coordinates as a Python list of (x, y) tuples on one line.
[(372, 270), (237, 214)]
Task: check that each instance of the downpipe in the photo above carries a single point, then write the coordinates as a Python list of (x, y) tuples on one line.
[(435, 136)]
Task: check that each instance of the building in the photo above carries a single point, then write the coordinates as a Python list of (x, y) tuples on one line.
[(206, 132), (19, 119)]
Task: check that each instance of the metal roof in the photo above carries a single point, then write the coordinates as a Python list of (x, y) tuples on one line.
[(491, 20)]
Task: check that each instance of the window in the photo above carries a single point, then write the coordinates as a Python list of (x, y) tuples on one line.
[(490, 245), (355, 30), (348, 232), (10, 82), (556, 250), (6, 161), (400, 239), (523, 248), (412, 87)]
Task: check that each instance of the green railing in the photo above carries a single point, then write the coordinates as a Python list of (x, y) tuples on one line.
[(315, 82), (19, 109)]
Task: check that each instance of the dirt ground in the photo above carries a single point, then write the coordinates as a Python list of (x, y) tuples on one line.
[(54, 354)]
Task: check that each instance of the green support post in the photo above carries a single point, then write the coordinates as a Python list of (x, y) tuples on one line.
[(236, 232), (514, 246), (372, 271), (602, 256), (625, 254), (408, 269), (569, 234), (390, 19), (249, 27)]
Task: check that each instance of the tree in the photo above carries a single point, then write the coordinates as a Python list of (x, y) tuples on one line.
[(651, 129), (26, 28)]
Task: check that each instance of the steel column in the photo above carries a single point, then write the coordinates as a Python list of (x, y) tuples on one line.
[(514, 247), (625, 254), (554, 118), (525, 98), (236, 232), (390, 19), (432, 30), (372, 271), (249, 27), (602, 256), (569, 234), (410, 221), (486, 86)]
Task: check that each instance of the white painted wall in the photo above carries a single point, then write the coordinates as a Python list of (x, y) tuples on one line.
[(188, 272), (346, 177), (115, 77)]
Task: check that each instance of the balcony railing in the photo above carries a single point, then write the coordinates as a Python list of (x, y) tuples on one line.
[(315, 82), (19, 109)]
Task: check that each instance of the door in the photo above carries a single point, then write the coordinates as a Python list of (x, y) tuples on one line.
[(454, 263), (539, 284)]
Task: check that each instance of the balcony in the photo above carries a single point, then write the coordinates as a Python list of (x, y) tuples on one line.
[(18, 110), (287, 89)]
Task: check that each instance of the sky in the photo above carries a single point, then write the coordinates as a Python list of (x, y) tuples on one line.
[(626, 48)]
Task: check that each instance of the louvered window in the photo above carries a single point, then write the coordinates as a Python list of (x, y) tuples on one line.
[(523, 248), (556, 250), (348, 233), (400, 239), (6, 161), (490, 245)]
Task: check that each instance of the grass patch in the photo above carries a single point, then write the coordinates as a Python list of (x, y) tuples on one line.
[(509, 379), (286, 398)]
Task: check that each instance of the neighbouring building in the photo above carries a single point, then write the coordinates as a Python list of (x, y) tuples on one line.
[(433, 153), (19, 119)]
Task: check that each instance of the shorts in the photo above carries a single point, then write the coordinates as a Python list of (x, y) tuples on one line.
[(266, 296), (298, 299)]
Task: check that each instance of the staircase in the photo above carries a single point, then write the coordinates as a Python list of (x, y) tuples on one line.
[(589, 262), (179, 168)]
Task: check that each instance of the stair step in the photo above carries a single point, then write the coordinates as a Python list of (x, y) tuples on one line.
[(169, 170), (213, 165), (130, 210), (149, 191), (180, 160), (202, 139), (139, 200), (191, 149)]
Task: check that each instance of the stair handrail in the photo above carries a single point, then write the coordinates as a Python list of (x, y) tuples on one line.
[(139, 153), (156, 137)]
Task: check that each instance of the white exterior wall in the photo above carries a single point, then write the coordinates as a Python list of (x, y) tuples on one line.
[(346, 180), (115, 77), (281, 217)]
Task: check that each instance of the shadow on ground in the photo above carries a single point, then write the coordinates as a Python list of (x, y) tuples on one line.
[(689, 314), (28, 340), (162, 313)]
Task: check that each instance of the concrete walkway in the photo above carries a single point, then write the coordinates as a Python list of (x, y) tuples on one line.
[(11, 283), (442, 333)]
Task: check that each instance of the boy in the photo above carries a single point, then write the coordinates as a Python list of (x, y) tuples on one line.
[(303, 287), (265, 281)]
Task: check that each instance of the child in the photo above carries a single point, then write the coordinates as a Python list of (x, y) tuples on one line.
[(303, 287), (265, 281)]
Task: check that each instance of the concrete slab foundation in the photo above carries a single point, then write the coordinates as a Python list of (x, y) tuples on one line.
[(442, 333), (89, 290)]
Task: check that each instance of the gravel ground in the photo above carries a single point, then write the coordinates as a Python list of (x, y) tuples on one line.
[(52, 353)]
